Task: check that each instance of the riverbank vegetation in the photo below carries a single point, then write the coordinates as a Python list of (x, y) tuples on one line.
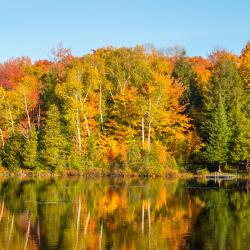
[(132, 110)]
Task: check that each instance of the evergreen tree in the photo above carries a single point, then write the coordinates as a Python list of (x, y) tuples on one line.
[(53, 141), (217, 148), (226, 84), (240, 141), (184, 73), (30, 153), (11, 153)]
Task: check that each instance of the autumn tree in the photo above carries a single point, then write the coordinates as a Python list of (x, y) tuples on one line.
[(53, 141), (30, 150)]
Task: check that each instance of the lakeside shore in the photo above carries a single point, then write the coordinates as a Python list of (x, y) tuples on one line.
[(95, 172)]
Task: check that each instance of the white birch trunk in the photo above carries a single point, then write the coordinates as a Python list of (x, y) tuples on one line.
[(78, 131), (1, 134), (149, 135), (142, 218), (10, 116), (11, 229), (86, 120), (1, 214), (100, 107), (26, 110), (39, 118), (149, 126), (149, 217), (100, 238), (142, 130), (27, 236), (78, 222), (78, 127), (86, 224), (11, 119), (87, 125)]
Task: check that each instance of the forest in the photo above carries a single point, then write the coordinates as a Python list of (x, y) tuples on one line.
[(133, 110)]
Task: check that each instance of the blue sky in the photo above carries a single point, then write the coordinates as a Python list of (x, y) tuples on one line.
[(32, 28)]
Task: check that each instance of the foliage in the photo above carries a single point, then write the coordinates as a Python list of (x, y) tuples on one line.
[(125, 109), (30, 151), (53, 143), (217, 147), (12, 152)]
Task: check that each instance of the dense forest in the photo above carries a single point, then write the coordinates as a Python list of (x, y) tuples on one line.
[(135, 110)]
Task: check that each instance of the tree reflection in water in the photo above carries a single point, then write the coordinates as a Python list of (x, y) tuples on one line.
[(71, 213)]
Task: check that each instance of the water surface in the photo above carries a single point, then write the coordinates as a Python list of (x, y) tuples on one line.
[(78, 213)]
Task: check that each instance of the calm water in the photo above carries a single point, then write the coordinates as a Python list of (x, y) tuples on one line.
[(123, 214)]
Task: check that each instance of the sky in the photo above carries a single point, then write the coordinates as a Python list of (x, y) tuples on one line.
[(33, 27)]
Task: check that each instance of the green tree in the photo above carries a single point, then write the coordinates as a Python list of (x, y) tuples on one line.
[(53, 141), (184, 73), (11, 153), (217, 148), (240, 141), (29, 152), (226, 86)]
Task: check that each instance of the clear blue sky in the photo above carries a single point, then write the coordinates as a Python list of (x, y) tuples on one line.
[(33, 27)]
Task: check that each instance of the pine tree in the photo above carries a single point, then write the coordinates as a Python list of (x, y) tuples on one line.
[(226, 84), (240, 141), (11, 153), (184, 73), (217, 148), (30, 153), (53, 141)]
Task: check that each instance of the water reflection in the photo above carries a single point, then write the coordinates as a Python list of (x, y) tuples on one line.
[(123, 214)]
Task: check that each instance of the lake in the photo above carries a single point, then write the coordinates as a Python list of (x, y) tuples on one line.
[(106, 213)]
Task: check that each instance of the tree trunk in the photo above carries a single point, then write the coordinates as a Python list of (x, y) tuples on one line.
[(87, 125), (38, 231), (142, 218), (78, 131), (10, 114), (219, 168), (100, 107), (78, 127), (1, 214), (248, 166), (149, 136), (149, 216), (38, 118), (86, 224), (149, 126), (143, 133), (78, 221), (11, 120), (86, 120), (27, 235), (11, 229), (100, 237), (26, 109), (1, 134)]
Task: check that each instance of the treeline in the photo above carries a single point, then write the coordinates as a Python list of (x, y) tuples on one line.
[(125, 109)]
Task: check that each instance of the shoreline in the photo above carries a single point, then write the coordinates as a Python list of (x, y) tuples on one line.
[(93, 173), (103, 173)]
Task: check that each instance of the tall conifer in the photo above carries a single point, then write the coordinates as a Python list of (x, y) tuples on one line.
[(53, 141)]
